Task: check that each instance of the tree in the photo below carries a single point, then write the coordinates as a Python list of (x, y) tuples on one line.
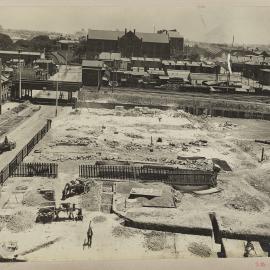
[(22, 44), (80, 50), (39, 43), (5, 42)]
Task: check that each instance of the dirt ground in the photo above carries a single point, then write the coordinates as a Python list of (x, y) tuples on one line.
[(84, 136)]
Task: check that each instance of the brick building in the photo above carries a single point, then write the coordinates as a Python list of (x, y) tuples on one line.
[(134, 44)]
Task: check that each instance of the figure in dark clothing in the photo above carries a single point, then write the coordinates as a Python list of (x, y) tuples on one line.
[(249, 249), (89, 236), (6, 140)]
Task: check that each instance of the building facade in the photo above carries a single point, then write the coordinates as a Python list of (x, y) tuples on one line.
[(133, 44)]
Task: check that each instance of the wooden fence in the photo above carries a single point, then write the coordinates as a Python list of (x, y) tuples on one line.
[(36, 169), (11, 167), (173, 176)]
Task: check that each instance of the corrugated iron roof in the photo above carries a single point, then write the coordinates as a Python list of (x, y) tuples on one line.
[(67, 41), (114, 35), (43, 61), (92, 63), (137, 58), (22, 53), (168, 62), (174, 34), (153, 37), (109, 56), (178, 74)]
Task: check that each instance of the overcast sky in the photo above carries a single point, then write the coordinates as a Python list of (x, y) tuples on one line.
[(208, 20)]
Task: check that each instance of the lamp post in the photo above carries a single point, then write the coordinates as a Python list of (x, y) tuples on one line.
[(20, 74), (56, 99), (0, 86)]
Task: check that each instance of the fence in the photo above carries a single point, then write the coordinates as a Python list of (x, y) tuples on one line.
[(11, 167), (36, 169), (173, 176)]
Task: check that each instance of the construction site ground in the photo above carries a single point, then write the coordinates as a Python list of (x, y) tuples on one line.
[(84, 136)]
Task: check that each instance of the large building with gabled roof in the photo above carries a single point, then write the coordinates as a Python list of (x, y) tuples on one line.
[(134, 44)]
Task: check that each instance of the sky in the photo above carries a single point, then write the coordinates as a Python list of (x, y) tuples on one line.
[(200, 20)]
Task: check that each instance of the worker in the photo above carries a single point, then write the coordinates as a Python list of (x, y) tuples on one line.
[(6, 140), (249, 249), (89, 235), (79, 214)]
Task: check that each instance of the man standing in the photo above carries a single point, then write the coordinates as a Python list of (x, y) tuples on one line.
[(89, 236)]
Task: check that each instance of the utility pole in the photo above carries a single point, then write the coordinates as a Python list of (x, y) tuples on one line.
[(0, 86), (56, 99), (262, 156), (20, 75), (66, 57)]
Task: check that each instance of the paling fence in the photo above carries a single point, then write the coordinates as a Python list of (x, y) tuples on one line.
[(174, 176), (12, 166), (36, 169)]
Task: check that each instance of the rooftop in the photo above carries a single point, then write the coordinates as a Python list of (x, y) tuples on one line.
[(114, 35), (22, 53), (67, 41), (92, 63), (265, 70), (43, 61), (109, 56)]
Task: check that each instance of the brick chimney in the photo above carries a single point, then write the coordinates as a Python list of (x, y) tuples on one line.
[(134, 31), (125, 30)]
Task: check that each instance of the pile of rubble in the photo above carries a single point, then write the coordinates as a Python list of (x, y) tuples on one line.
[(70, 140), (155, 240), (19, 222), (134, 136), (133, 146), (121, 231), (245, 203), (187, 163), (200, 249), (136, 111), (227, 125)]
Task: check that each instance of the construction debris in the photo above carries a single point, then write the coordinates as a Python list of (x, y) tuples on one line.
[(122, 231), (20, 221), (246, 203), (200, 249), (155, 240)]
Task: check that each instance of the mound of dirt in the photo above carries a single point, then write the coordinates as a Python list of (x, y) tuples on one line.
[(99, 219), (33, 198), (134, 136), (154, 240), (246, 203), (91, 201), (200, 249), (121, 231), (71, 141), (20, 221)]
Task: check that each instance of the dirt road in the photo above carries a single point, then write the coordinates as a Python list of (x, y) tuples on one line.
[(24, 132)]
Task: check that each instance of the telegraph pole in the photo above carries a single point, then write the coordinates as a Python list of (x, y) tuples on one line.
[(56, 100), (66, 58), (20, 74), (0, 86)]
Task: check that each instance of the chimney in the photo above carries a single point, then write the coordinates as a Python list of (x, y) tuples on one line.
[(125, 30), (134, 31)]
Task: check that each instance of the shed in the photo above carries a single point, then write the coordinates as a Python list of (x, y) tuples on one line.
[(92, 72), (264, 76)]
